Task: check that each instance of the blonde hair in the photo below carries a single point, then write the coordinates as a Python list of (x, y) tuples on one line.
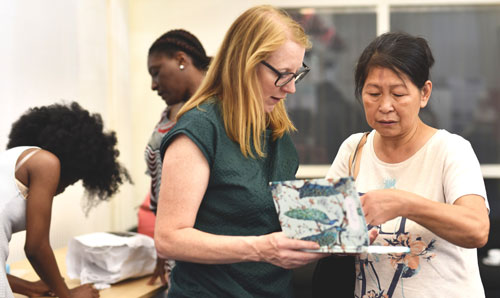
[(232, 76)]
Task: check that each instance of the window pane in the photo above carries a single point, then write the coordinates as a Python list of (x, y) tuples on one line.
[(465, 41), (493, 193), (324, 108)]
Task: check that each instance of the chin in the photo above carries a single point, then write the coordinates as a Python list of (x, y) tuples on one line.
[(269, 109)]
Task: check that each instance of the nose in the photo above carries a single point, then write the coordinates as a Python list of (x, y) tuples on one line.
[(386, 105), (154, 85), (289, 88)]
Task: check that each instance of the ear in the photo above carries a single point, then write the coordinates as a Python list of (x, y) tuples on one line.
[(425, 93), (182, 58)]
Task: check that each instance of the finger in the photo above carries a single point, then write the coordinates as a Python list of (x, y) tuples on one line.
[(152, 280), (373, 233), (362, 199), (368, 219), (163, 278), (296, 244), (299, 258), (366, 211), (304, 257)]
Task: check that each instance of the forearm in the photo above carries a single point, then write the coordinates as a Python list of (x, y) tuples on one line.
[(193, 245), (179, 203), (19, 285), (456, 223), (43, 261)]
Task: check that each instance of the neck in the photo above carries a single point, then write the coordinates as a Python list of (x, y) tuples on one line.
[(399, 149), (172, 110), (196, 80)]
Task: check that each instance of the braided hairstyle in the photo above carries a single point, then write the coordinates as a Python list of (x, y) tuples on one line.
[(76, 137), (181, 40)]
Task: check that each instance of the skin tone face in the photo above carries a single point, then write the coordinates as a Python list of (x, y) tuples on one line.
[(168, 80), (392, 103), (288, 58)]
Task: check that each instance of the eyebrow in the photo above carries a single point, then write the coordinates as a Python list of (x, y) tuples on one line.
[(288, 69), (152, 67), (391, 86)]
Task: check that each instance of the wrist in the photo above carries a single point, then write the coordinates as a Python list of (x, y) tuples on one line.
[(251, 244), (406, 203)]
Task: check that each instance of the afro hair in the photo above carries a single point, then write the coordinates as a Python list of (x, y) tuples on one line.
[(76, 137)]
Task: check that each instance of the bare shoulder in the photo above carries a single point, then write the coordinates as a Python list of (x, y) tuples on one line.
[(182, 145), (182, 154), (43, 167), (44, 160)]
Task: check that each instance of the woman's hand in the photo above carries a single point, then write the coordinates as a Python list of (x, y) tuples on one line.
[(382, 205), (464, 223), (160, 272), (373, 233), (39, 289), (277, 249), (84, 291), (29, 288)]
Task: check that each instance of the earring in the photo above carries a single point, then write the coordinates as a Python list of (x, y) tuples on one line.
[(181, 67)]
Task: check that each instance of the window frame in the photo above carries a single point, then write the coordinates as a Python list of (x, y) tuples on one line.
[(382, 9)]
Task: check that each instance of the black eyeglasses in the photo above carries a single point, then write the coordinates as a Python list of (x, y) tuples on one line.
[(286, 77)]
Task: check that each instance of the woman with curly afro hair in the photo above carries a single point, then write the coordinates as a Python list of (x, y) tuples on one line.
[(50, 148)]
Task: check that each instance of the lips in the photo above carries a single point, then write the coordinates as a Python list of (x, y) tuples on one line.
[(386, 122), (163, 95)]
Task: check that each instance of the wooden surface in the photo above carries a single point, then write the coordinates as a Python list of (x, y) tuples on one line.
[(132, 288)]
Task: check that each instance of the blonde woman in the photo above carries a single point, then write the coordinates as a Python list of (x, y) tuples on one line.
[(216, 216)]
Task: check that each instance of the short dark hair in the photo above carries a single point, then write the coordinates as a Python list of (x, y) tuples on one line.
[(77, 138), (181, 40), (399, 52)]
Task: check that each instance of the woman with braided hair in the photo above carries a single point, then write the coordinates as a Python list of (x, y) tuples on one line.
[(177, 63), (50, 148)]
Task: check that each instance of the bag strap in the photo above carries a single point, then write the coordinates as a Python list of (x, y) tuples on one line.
[(354, 158), (25, 158)]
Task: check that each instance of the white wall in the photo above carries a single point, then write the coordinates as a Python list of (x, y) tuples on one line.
[(69, 50)]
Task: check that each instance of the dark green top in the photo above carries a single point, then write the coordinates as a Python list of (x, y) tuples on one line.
[(237, 201)]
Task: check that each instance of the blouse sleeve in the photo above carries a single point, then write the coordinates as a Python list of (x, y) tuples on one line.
[(462, 171), (199, 128)]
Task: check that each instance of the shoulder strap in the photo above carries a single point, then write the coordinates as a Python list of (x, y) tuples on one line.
[(353, 158), (25, 158)]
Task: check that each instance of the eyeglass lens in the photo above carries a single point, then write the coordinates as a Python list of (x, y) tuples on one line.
[(285, 78)]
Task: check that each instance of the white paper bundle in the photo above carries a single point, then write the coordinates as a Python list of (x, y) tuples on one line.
[(106, 258)]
